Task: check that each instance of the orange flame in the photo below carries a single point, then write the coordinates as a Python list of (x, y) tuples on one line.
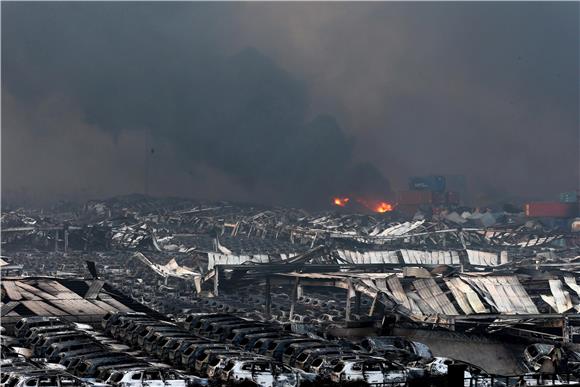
[(341, 202), (373, 205), (376, 206), (383, 207)]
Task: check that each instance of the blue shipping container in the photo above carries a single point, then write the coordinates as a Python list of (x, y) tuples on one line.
[(427, 183), (568, 197)]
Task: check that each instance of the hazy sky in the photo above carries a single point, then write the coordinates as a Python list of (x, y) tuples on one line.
[(288, 102)]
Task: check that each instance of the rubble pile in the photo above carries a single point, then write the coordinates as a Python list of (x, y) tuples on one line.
[(275, 296)]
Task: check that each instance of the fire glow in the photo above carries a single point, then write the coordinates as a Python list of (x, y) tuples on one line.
[(341, 202), (383, 207), (373, 205)]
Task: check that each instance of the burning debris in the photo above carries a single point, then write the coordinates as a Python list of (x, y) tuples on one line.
[(341, 202), (370, 205)]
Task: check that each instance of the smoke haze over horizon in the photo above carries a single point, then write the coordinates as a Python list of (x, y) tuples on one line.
[(287, 103)]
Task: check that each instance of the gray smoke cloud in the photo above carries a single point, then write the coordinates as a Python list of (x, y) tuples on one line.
[(287, 103)]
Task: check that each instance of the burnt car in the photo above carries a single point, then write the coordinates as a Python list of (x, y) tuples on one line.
[(305, 359), (148, 336), (53, 352), (41, 343), (223, 331), (295, 349), (140, 329), (265, 373), (369, 370), (173, 350), (120, 327), (206, 356), (250, 340), (45, 378), (111, 319), (237, 335), (66, 355), (27, 323), (277, 348), (218, 362), (153, 377), (208, 327), (192, 321), (190, 355), (89, 368), (473, 375), (33, 332), (155, 343), (536, 354), (71, 363), (323, 365), (201, 324)]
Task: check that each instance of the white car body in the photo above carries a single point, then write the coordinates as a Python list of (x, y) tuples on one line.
[(155, 377), (262, 372), (372, 373)]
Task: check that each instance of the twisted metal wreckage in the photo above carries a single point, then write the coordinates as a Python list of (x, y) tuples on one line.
[(495, 272)]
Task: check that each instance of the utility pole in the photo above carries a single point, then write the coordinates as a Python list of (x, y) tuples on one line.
[(147, 164)]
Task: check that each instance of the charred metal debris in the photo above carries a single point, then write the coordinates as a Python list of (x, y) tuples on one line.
[(139, 291)]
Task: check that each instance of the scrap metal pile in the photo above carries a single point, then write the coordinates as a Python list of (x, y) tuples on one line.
[(289, 292)]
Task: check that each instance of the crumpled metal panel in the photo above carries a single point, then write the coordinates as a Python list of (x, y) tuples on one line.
[(400, 229), (368, 257), (432, 294), (466, 297), (430, 257), (505, 293), (231, 259), (560, 300), (482, 258)]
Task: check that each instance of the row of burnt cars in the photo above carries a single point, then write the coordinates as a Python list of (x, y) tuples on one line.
[(133, 349), (136, 350), (228, 349), (49, 351)]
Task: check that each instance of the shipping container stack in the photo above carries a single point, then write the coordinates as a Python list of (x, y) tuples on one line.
[(426, 192)]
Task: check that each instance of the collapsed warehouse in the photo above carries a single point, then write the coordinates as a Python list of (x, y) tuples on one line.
[(218, 289)]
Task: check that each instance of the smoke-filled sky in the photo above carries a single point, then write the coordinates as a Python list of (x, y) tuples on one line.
[(288, 103)]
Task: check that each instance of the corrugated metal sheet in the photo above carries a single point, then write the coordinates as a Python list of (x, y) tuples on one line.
[(399, 294), (94, 289), (505, 293), (432, 294), (47, 297), (113, 303), (561, 297), (6, 309), (368, 257), (11, 290), (571, 282), (459, 296), (482, 258), (398, 229), (430, 257), (412, 257), (230, 259), (41, 308), (79, 307), (471, 296)]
